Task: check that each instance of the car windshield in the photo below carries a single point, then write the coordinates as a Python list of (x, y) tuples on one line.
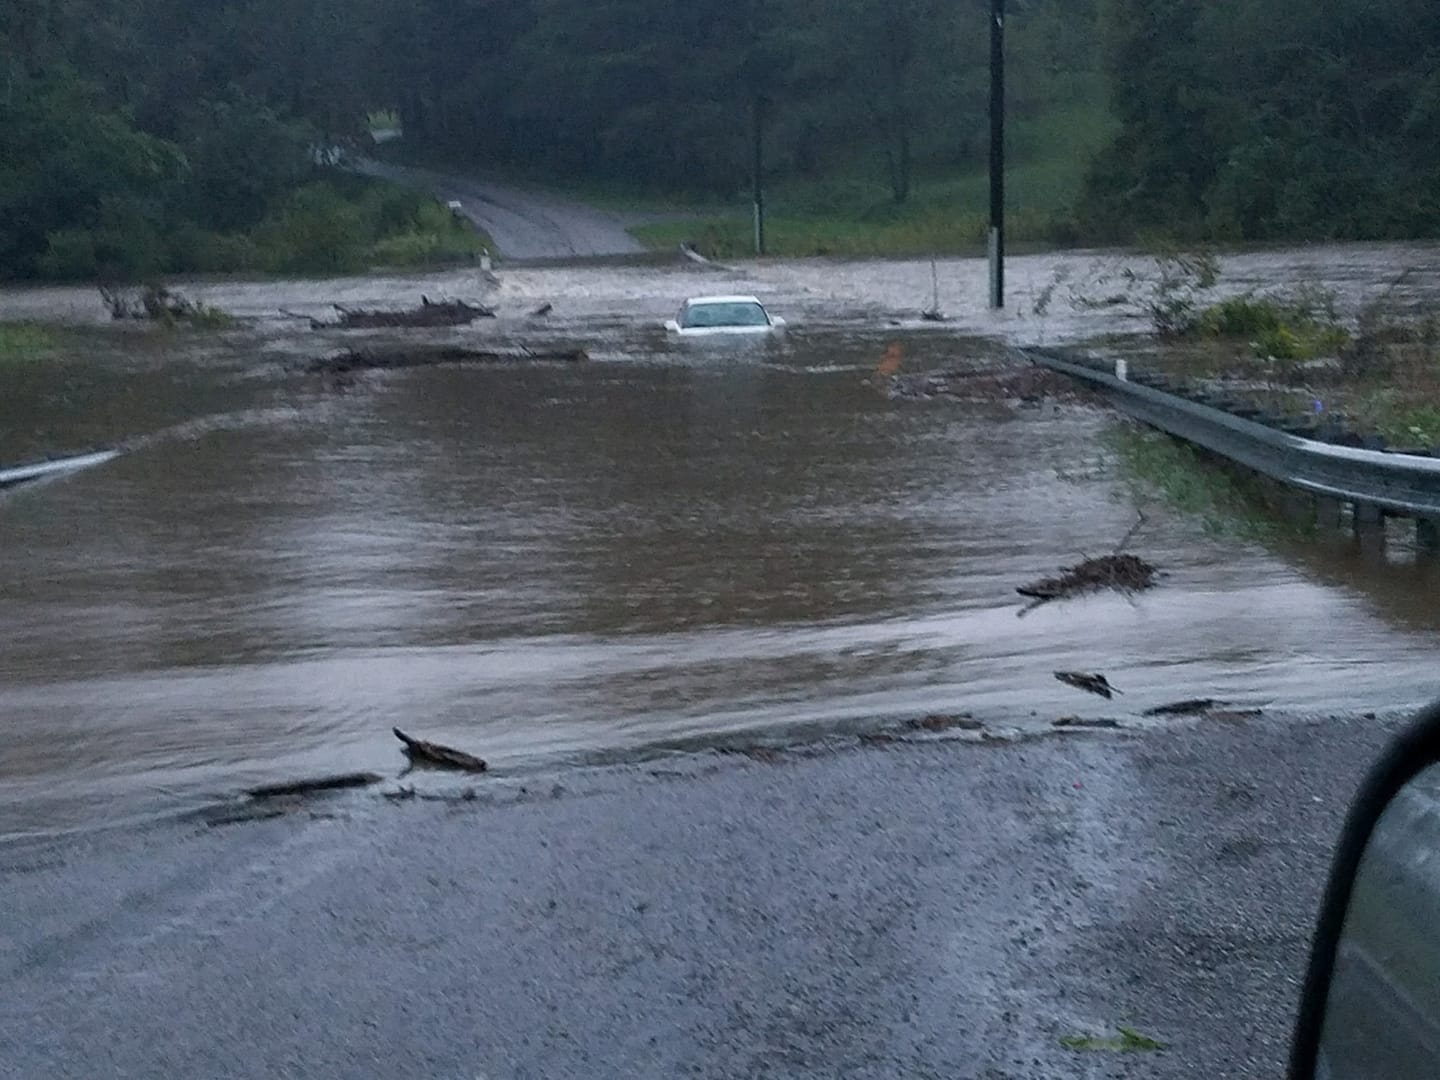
[(729, 313)]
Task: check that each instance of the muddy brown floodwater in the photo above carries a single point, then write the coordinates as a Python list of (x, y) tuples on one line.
[(662, 548)]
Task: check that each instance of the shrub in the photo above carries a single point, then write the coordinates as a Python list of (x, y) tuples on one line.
[(69, 255), (316, 230), (1240, 316), (197, 249)]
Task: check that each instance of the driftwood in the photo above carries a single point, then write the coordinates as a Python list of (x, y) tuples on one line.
[(1091, 684), (1084, 722), (309, 787), (1188, 707), (542, 310), (421, 752), (1125, 573), (429, 313), (944, 722), (426, 355)]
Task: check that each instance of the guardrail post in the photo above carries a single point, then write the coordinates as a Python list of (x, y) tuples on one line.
[(1427, 536), (1369, 524), (1329, 513), (1367, 516)]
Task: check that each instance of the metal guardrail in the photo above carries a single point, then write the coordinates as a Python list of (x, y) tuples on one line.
[(1406, 484)]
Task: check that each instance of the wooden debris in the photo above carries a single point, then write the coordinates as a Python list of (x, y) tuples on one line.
[(1090, 683), (313, 785), (154, 302), (767, 755), (1084, 722), (429, 313), (542, 310), (419, 751), (1234, 716), (426, 355), (945, 722), (1123, 573), (875, 738), (1188, 707)]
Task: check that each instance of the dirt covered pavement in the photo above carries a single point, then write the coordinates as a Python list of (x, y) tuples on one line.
[(930, 908)]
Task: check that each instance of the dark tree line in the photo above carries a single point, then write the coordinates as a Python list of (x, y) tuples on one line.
[(168, 133), (1267, 119)]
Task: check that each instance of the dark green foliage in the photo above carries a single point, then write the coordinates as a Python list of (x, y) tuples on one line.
[(242, 159), (1286, 327), (187, 140), (1260, 119), (70, 165)]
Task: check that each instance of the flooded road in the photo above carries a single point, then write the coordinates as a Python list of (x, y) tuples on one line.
[(551, 563)]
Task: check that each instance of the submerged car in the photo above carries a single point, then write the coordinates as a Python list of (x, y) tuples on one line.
[(702, 316)]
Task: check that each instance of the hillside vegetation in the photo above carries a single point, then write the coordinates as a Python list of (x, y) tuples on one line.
[(163, 135)]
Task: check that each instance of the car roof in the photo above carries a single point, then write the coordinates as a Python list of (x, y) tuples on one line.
[(694, 300)]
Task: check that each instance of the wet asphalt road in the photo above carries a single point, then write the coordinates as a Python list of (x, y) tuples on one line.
[(525, 224), (935, 909)]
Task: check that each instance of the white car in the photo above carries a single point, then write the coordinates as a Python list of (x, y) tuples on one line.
[(703, 316)]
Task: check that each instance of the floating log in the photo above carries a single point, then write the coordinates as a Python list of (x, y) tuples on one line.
[(311, 786), (1124, 573), (542, 310), (1090, 683), (429, 313), (426, 355), (420, 751)]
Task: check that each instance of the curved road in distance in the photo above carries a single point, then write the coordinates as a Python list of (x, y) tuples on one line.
[(524, 224)]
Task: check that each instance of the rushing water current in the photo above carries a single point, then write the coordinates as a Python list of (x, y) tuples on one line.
[(662, 547)]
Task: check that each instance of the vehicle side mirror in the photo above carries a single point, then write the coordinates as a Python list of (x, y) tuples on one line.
[(672, 326), (777, 321), (1371, 1002)]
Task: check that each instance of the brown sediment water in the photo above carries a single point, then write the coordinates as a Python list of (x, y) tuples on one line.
[(552, 563)]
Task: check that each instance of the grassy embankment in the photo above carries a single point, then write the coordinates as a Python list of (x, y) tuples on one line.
[(1285, 352), (22, 342), (854, 214), (336, 223), (342, 224), (1288, 352)]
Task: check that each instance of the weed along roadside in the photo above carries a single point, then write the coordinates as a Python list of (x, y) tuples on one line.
[(1264, 408)]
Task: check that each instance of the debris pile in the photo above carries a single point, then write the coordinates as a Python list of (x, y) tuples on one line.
[(945, 722), (157, 304), (423, 355), (430, 313), (292, 788), (1091, 684), (1015, 386), (1123, 573), (421, 752), (1188, 707)]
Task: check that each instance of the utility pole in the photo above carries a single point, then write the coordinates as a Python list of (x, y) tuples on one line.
[(997, 154), (759, 169)]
